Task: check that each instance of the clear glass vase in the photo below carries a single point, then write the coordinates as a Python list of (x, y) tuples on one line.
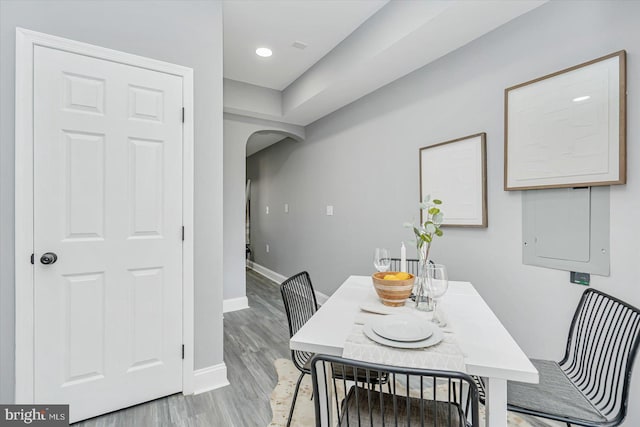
[(424, 301)]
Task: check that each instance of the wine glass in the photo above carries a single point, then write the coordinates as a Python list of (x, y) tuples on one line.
[(381, 259), (437, 283)]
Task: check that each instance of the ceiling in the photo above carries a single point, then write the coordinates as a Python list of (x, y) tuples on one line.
[(354, 48), (263, 139), (277, 24)]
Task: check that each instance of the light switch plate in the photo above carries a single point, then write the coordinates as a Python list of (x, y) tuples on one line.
[(267, 210), (286, 208), (329, 210)]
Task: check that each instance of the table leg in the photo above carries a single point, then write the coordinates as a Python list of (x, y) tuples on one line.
[(325, 397), (496, 402)]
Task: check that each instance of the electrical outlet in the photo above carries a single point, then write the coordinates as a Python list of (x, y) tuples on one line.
[(329, 210), (266, 210), (267, 248), (286, 208)]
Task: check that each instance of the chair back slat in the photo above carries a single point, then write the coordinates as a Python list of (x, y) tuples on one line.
[(415, 397), (603, 342), (300, 304), (412, 265), (623, 352)]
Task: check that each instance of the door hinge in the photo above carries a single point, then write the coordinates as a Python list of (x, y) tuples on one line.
[(183, 351), (33, 258), (182, 114), (183, 233)]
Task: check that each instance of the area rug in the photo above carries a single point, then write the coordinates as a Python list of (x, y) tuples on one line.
[(303, 415)]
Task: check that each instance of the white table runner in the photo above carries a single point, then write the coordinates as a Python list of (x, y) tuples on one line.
[(446, 355)]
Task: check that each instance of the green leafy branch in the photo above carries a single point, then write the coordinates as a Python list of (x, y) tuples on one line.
[(430, 228)]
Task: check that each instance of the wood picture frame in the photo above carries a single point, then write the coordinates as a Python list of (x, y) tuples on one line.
[(456, 172), (568, 128)]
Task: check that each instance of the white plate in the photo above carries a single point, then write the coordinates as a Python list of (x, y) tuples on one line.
[(432, 340), (380, 308), (402, 327), (373, 304)]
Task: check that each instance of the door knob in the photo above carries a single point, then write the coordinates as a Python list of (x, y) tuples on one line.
[(48, 258)]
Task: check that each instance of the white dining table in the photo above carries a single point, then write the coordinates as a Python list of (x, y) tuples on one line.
[(489, 350)]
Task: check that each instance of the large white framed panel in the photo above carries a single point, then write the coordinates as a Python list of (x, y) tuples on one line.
[(455, 172), (568, 129)]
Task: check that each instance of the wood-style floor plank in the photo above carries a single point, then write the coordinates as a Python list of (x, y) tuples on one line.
[(253, 339)]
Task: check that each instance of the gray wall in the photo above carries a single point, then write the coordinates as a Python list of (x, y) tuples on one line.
[(363, 159), (184, 32)]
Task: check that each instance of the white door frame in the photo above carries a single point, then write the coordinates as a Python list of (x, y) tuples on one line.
[(26, 40)]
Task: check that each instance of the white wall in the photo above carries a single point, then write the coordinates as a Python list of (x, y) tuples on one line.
[(363, 159), (237, 130), (251, 100), (183, 32)]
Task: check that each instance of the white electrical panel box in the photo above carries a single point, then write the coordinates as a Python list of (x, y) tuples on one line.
[(567, 229)]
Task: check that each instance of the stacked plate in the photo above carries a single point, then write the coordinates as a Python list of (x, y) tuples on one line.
[(403, 331)]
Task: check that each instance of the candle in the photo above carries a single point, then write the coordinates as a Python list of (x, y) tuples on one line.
[(403, 258)]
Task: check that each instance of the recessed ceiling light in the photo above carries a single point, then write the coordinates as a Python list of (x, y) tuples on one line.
[(265, 52), (581, 98)]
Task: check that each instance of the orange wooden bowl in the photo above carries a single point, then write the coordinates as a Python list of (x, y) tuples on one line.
[(393, 293)]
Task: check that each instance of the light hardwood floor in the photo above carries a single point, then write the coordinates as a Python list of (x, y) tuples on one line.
[(253, 339)]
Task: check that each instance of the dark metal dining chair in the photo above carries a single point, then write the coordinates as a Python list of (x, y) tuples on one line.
[(411, 403), (412, 265), (300, 304), (590, 385)]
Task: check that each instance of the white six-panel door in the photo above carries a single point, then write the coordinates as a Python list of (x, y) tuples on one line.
[(108, 204)]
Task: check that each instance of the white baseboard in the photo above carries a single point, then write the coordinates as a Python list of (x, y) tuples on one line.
[(279, 278), (210, 378), (235, 304), (269, 274)]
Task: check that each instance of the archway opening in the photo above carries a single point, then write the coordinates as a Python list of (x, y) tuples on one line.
[(256, 142)]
